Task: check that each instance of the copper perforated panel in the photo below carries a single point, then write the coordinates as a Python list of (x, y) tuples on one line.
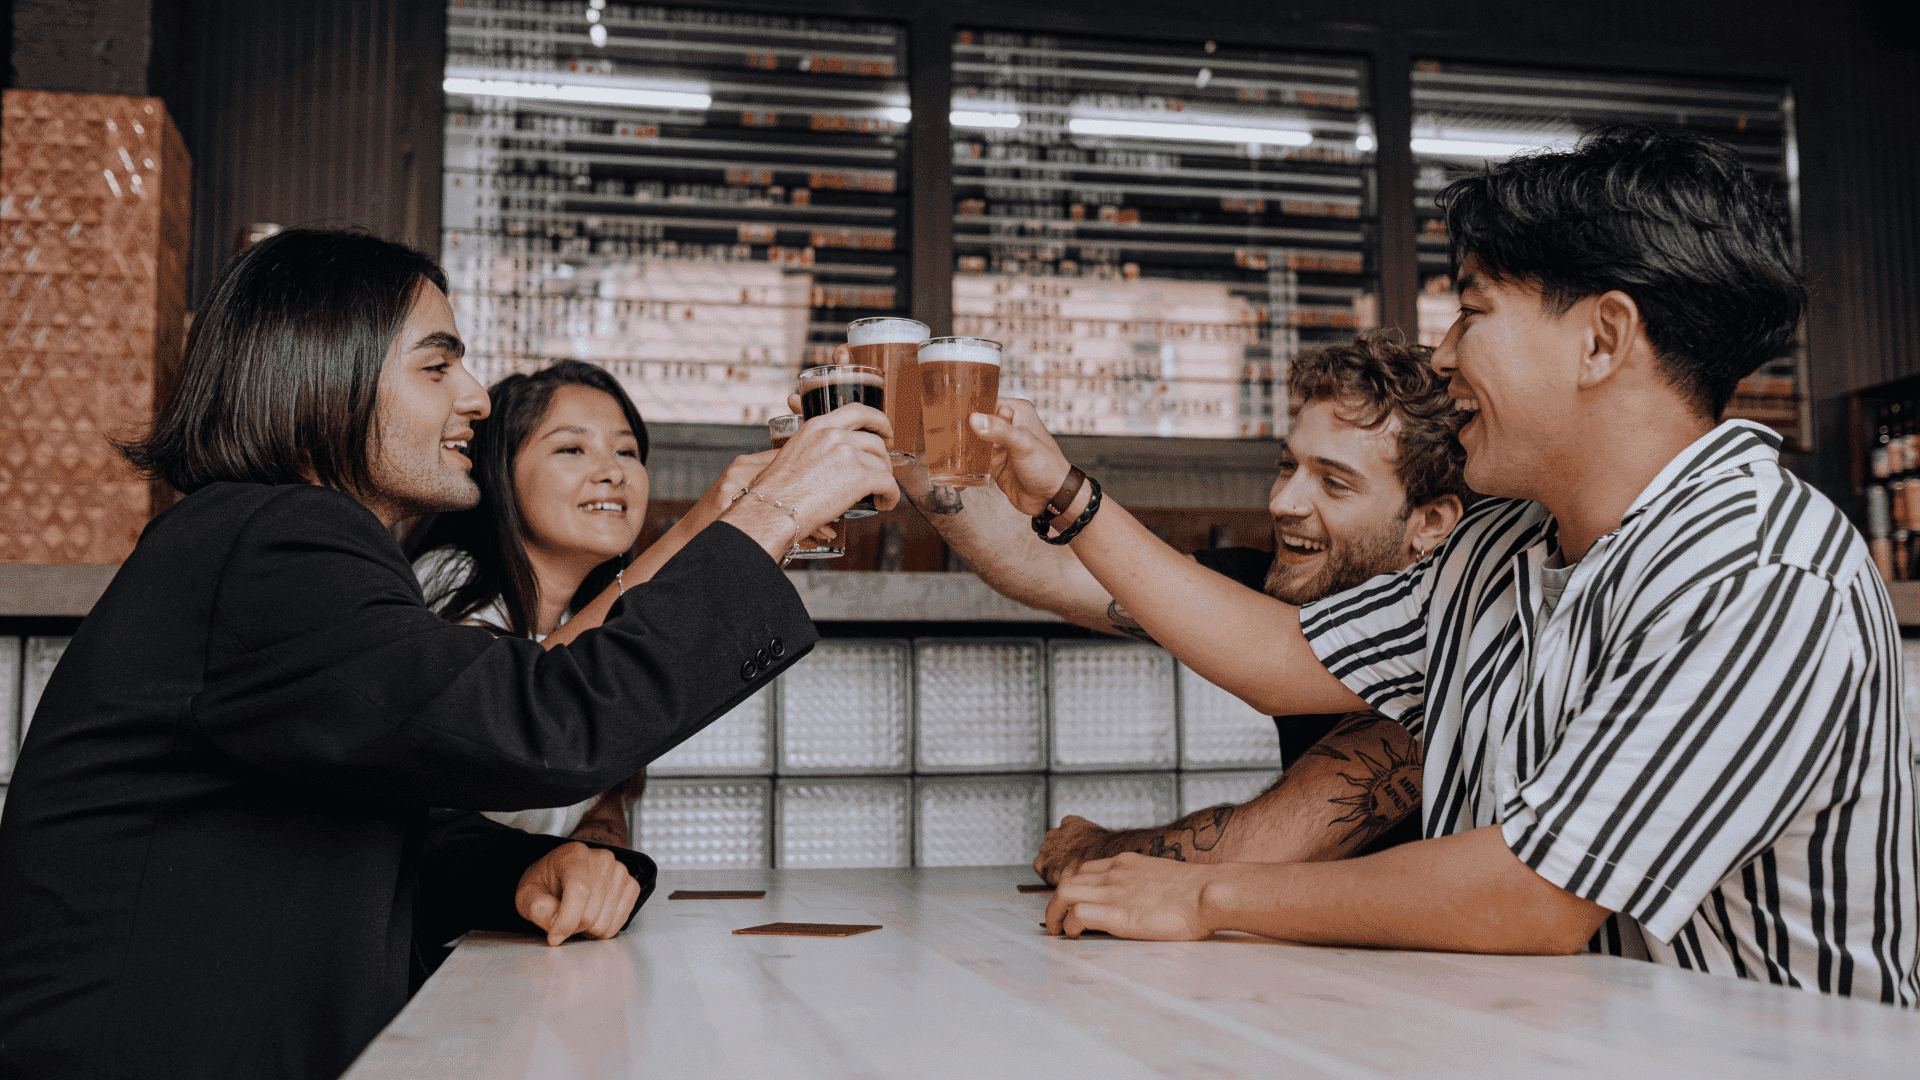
[(93, 245)]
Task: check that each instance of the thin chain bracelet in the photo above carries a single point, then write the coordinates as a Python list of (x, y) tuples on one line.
[(793, 544)]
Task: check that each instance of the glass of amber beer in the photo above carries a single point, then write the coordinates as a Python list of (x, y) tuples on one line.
[(959, 376), (892, 345), (824, 389), (779, 430)]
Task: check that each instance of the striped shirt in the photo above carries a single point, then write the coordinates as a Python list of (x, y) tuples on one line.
[(1704, 736)]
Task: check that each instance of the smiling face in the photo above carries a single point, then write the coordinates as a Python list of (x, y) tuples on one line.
[(428, 405), (1515, 367), (580, 483), (1339, 509)]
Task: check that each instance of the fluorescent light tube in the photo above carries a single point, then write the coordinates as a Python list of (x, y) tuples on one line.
[(969, 118), (1154, 129), (1486, 148), (593, 95)]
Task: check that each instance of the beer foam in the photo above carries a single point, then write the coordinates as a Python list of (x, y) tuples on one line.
[(959, 350), (845, 375), (887, 332)]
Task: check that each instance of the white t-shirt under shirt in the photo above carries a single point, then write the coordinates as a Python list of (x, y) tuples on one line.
[(440, 571), (1703, 734)]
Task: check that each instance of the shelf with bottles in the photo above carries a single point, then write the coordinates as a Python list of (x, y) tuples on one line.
[(1884, 430)]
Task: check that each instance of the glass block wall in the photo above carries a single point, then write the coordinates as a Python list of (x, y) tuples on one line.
[(950, 752), (25, 664)]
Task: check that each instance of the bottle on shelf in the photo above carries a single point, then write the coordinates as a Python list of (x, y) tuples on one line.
[(1880, 530), (1880, 456)]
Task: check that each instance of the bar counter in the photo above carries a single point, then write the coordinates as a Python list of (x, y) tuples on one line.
[(962, 982)]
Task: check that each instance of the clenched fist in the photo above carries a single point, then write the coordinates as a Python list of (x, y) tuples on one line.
[(576, 890)]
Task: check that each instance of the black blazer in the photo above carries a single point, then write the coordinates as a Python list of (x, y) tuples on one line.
[(218, 826)]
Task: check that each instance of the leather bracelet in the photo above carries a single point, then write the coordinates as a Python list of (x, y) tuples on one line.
[(1041, 521), (1069, 490)]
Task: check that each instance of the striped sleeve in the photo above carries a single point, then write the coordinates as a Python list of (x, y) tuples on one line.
[(1373, 638), (1689, 753)]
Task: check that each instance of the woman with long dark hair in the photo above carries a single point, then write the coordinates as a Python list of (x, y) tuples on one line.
[(561, 467)]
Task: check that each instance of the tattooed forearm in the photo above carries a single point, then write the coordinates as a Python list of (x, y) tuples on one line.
[(601, 833), (605, 822), (1123, 623), (1383, 785), (1197, 832), (939, 500)]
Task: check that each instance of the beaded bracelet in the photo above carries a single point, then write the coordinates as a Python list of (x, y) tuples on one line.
[(1041, 521)]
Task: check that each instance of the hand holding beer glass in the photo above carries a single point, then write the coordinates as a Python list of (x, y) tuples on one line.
[(779, 430), (826, 388), (959, 376)]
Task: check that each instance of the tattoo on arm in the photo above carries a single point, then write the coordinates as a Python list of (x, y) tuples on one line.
[(605, 822), (1123, 622), (1198, 831), (1385, 787), (940, 500)]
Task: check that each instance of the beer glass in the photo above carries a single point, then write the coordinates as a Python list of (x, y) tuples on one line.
[(780, 429), (824, 389), (959, 376), (892, 345)]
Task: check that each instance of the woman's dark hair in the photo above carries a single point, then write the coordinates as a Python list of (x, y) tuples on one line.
[(1669, 217), (1376, 377), (493, 534), (281, 377)]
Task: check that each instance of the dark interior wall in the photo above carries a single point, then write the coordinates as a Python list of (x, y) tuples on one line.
[(303, 114), (330, 111)]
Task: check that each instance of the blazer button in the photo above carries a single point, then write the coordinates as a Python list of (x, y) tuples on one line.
[(761, 659), (776, 648), (748, 670)]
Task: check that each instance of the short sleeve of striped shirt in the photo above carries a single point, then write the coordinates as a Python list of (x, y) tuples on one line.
[(1373, 638), (1689, 753)]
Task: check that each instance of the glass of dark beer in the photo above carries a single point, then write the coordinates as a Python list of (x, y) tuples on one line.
[(959, 376), (779, 430), (824, 389), (893, 345)]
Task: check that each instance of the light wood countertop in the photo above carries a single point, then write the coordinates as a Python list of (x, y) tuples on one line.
[(963, 983)]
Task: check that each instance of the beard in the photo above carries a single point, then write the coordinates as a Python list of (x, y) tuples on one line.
[(1347, 563)]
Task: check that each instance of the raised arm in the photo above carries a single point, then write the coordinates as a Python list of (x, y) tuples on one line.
[(999, 544), (1245, 642), (1357, 782)]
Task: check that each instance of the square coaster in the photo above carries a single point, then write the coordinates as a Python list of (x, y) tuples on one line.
[(807, 929), (718, 894)]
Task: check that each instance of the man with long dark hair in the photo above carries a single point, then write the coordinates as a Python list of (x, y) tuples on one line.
[(217, 850), (1657, 680)]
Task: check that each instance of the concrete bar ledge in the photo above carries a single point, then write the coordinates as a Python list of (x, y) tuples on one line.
[(39, 589), (855, 596)]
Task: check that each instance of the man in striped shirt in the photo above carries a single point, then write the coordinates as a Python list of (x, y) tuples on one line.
[(1657, 684)]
